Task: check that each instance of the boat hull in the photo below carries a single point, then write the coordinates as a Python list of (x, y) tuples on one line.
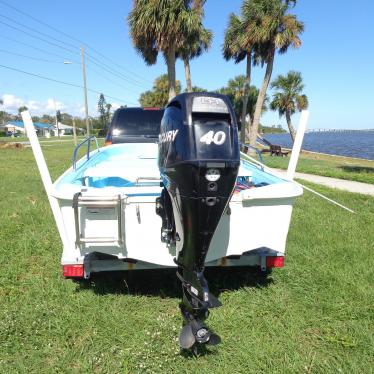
[(253, 227)]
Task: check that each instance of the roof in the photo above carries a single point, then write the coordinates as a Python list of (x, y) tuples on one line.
[(61, 126), (38, 125)]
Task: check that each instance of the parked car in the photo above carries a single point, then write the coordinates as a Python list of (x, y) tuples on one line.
[(134, 125), (12, 134)]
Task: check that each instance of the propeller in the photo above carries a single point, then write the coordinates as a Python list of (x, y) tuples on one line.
[(187, 338), (195, 332)]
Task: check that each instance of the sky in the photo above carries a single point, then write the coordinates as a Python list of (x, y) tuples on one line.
[(336, 58)]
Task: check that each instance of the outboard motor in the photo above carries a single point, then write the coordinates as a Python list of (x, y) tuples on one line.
[(198, 159)]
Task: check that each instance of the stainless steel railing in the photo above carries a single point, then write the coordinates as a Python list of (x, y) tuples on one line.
[(76, 149)]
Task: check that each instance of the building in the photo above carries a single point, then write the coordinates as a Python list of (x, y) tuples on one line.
[(17, 127), (65, 130), (42, 129)]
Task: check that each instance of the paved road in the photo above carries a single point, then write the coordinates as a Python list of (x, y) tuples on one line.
[(340, 184)]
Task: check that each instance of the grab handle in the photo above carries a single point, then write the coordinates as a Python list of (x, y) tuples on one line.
[(76, 149)]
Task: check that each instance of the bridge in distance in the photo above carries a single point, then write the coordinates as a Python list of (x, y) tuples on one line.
[(336, 130)]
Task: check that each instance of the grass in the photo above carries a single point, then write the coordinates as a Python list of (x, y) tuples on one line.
[(314, 316), (24, 138), (329, 166)]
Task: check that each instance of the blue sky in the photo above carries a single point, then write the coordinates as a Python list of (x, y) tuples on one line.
[(336, 58)]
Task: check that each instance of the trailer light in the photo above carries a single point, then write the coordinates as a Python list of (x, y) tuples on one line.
[(212, 175), (73, 271), (274, 261)]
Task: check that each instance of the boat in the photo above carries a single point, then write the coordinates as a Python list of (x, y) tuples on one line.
[(188, 201)]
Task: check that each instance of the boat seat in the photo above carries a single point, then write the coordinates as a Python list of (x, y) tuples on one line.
[(105, 175)]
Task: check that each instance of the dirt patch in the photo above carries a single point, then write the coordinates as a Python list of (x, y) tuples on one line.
[(10, 145)]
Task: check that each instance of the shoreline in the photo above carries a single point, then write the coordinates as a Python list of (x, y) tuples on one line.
[(322, 154), (358, 146), (329, 154)]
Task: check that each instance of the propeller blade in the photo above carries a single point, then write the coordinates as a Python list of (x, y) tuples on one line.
[(186, 337), (214, 339)]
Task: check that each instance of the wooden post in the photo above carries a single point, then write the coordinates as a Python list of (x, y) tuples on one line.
[(74, 132)]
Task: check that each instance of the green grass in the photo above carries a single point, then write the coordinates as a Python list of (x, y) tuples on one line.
[(328, 166), (314, 316)]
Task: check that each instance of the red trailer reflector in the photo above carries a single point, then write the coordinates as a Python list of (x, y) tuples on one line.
[(73, 271), (274, 261)]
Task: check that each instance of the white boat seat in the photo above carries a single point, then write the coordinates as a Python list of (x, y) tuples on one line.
[(122, 174)]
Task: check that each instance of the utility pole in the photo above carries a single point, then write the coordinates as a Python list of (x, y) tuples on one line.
[(85, 91), (56, 120)]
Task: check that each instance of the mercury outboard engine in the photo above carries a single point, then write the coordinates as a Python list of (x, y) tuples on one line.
[(198, 159)]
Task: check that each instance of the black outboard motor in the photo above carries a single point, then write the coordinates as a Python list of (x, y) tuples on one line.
[(198, 159)]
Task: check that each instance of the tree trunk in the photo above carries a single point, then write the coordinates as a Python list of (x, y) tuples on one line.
[(247, 84), (187, 72), (290, 127), (170, 61), (260, 101)]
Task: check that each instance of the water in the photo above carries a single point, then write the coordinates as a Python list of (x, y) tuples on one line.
[(351, 144)]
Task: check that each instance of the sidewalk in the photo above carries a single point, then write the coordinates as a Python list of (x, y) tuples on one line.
[(340, 184)]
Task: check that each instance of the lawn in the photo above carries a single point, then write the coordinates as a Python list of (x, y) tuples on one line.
[(316, 315), (329, 166), (24, 138)]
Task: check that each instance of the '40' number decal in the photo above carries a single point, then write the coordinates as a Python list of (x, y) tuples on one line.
[(210, 137)]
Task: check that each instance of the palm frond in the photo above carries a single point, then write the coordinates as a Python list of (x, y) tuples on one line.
[(288, 97)]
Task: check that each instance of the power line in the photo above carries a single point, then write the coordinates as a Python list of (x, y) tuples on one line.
[(39, 38), (31, 58), (111, 81), (62, 82), (72, 38), (113, 72), (38, 49), (60, 62), (116, 71), (106, 67), (37, 31)]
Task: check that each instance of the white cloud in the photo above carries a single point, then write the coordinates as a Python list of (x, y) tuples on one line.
[(33, 105), (115, 106), (53, 105), (12, 103)]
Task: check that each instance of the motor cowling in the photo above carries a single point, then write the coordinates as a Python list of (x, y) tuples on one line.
[(198, 160)]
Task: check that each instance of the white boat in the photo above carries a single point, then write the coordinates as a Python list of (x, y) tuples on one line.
[(189, 202), (108, 206)]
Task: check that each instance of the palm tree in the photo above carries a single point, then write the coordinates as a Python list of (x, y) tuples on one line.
[(161, 26), (235, 91), (194, 47), (158, 96), (22, 109), (2, 113), (196, 42), (238, 48), (289, 98), (274, 29)]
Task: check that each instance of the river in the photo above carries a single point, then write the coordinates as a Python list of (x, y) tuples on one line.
[(351, 144)]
